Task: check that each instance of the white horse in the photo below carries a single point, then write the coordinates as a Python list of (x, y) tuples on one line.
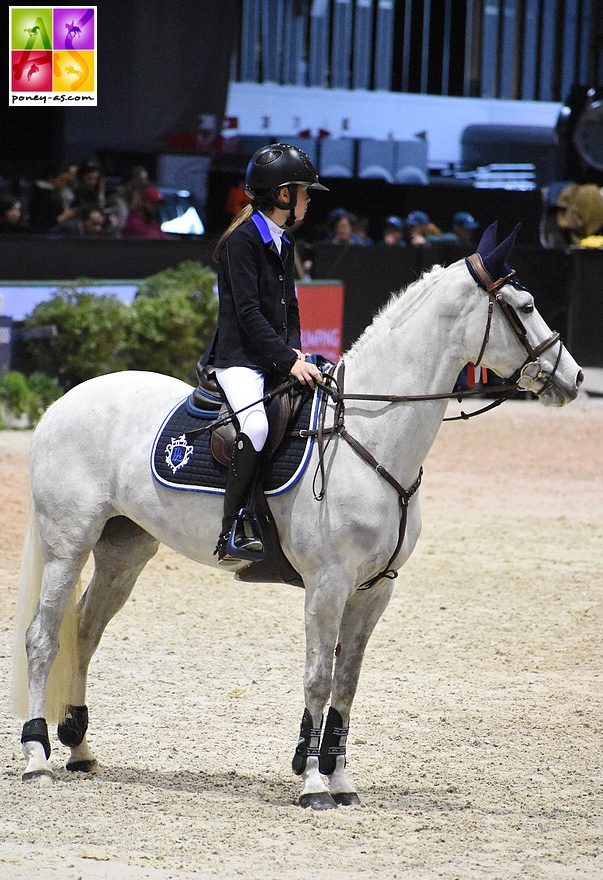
[(93, 492)]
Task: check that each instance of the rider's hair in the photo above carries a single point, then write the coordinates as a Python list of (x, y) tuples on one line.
[(257, 204)]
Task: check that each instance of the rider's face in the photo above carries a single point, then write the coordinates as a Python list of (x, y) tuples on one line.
[(301, 206)]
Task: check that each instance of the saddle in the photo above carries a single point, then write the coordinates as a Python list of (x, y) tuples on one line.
[(281, 410)]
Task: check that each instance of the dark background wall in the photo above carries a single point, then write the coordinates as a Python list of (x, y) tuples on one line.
[(160, 65)]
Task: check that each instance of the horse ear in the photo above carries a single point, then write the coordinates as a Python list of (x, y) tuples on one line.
[(487, 242), (496, 260)]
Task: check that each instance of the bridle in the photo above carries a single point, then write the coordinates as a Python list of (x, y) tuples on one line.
[(530, 376)]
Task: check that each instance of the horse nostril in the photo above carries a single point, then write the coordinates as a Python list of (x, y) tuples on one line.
[(579, 378)]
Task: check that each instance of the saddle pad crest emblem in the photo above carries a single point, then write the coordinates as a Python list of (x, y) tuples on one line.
[(177, 453)]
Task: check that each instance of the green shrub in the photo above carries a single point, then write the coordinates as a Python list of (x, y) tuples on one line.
[(27, 395), (164, 330), (16, 393), (91, 332), (172, 320)]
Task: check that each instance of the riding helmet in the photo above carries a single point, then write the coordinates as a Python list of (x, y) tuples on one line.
[(278, 165)]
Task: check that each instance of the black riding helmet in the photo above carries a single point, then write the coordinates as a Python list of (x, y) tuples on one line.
[(277, 165)]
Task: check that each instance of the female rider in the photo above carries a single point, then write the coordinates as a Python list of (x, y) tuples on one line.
[(258, 319)]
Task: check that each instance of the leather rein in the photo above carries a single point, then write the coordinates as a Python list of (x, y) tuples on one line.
[(529, 376)]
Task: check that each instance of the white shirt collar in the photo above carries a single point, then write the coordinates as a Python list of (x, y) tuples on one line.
[(275, 231)]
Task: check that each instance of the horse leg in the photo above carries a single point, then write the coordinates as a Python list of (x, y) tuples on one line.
[(362, 611), (323, 611), (42, 644), (120, 555)]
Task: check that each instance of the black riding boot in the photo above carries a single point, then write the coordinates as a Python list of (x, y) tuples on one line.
[(236, 541)]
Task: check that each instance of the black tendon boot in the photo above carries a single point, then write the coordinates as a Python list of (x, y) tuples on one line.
[(240, 537)]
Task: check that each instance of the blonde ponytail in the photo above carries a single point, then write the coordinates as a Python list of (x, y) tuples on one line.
[(243, 215)]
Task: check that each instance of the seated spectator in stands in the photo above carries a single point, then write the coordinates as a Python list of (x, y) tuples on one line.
[(51, 199), (419, 229), (343, 229), (360, 230), (89, 185), (88, 221), (11, 215), (144, 221), (393, 232), (576, 216), (464, 226), (127, 194)]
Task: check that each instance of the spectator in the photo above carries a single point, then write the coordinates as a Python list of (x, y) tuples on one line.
[(420, 230), (11, 216), (464, 225), (360, 230), (127, 195), (144, 221), (88, 221), (343, 229), (51, 199), (90, 185), (578, 214), (393, 232)]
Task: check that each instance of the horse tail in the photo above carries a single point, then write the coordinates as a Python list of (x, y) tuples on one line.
[(62, 678)]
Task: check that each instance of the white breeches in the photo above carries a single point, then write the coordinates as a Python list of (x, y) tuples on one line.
[(243, 386)]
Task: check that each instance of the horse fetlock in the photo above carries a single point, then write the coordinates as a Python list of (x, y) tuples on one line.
[(73, 729), (308, 745), (36, 770)]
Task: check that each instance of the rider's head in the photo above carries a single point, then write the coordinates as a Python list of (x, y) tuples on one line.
[(275, 175)]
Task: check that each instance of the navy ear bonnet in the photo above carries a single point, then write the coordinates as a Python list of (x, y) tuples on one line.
[(492, 259)]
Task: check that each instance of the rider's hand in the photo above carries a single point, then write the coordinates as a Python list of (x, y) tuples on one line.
[(305, 372)]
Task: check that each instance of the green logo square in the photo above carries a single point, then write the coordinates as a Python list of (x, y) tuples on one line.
[(31, 28)]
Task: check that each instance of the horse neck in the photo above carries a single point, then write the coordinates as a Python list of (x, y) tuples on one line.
[(414, 346)]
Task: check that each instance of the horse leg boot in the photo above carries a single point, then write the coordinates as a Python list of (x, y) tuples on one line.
[(234, 541)]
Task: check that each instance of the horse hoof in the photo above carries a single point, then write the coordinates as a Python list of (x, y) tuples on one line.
[(347, 799), (42, 778), (319, 800), (83, 767)]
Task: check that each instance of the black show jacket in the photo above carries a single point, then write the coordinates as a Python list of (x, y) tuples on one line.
[(258, 317)]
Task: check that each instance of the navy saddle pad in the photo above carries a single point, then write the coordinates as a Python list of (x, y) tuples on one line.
[(189, 465)]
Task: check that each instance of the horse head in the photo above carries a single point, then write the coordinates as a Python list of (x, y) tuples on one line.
[(517, 343)]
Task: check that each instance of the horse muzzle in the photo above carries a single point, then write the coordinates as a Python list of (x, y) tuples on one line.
[(534, 377)]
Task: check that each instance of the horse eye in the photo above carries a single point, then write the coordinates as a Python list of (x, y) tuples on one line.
[(528, 309)]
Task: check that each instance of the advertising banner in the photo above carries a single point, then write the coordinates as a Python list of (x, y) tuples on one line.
[(321, 317)]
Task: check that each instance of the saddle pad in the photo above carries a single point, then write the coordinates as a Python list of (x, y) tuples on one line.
[(189, 465)]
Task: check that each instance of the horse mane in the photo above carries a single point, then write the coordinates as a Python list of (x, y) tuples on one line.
[(400, 305)]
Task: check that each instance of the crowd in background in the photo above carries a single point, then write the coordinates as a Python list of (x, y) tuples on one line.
[(79, 201), (76, 201)]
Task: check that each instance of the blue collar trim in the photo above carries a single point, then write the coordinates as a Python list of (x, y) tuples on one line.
[(262, 228)]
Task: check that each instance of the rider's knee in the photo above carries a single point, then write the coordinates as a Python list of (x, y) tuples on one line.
[(255, 426)]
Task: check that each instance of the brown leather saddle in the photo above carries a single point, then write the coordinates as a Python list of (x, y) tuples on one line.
[(281, 410)]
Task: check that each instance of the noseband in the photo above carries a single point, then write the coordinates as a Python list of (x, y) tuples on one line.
[(530, 376)]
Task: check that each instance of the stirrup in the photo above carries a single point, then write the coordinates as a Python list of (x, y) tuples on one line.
[(243, 541)]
